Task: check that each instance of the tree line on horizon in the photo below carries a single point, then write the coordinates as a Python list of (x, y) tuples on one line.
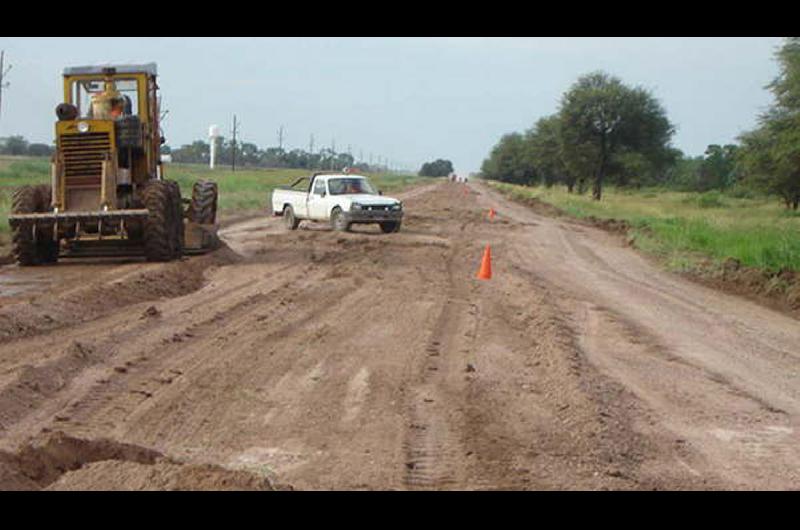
[(19, 146), (605, 132), (249, 154)]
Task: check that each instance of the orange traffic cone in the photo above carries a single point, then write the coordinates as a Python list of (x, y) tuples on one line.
[(491, 214), (485, 273)]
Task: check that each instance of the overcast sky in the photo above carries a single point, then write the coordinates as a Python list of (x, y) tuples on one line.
[(408, 99)]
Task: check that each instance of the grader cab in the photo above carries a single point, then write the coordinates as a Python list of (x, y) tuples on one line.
[(108, 195)]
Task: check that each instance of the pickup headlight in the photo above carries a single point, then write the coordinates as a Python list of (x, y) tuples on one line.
[(355, 206), (397, 206)]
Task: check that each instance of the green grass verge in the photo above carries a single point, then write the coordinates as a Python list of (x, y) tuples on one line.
[(242, 190), (683, 227)]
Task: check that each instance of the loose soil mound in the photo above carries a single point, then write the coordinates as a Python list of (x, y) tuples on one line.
[(63, 462), (79, 303)]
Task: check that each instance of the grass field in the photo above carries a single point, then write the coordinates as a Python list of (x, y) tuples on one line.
[(682, 227), (241, 191)]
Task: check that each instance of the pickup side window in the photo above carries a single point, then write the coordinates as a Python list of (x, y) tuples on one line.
[(319, 187)]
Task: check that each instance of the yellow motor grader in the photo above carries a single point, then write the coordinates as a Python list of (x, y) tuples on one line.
[(108, 195)]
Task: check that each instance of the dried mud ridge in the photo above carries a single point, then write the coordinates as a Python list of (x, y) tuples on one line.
[(81, 301), (369, 361), (775, 289), (60, 461)]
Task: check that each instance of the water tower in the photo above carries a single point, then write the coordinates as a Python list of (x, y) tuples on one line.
[(213, 134)]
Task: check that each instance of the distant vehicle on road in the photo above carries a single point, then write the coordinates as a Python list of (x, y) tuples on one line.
[(340, 199)]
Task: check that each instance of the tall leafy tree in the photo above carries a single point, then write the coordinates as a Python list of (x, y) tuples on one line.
[(546, 151), (603, 119), (770, 155), (718, 170), (510, 161)]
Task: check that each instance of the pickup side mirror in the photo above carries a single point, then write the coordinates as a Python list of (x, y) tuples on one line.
[(380, 192)]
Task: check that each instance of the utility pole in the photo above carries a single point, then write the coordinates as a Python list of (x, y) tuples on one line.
[(311, 144), (3, 72), (233, 154), (280, 138)]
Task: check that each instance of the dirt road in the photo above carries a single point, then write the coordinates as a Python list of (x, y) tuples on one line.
[(324, 360)]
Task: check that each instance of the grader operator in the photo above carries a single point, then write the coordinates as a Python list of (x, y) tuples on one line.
[(108, 195)]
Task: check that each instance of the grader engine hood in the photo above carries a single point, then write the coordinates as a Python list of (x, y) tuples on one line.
[(85, 150)]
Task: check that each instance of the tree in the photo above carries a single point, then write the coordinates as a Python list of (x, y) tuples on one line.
[(198, 152), (546, 152), (770, 155), (40, 150), (437, 168), (249, 154), (510, 161), (770, 159), (718, 170), (683, 173), (15, 145), (602, 120)]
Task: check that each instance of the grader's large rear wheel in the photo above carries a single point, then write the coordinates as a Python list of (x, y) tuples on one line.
[(48, 247), (203, 209), (32, 245), (24, 244), (159, 227)]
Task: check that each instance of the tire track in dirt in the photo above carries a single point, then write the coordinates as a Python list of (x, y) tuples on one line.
[(433, 439)]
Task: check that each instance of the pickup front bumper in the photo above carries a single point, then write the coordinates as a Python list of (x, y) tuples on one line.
[(373, 216)]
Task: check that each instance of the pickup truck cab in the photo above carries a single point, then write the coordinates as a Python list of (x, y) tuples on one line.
[(337, 198)]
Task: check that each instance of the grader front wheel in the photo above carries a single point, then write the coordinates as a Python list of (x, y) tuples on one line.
[(159, 227), (201, 219), (203, 209), (177, 232)]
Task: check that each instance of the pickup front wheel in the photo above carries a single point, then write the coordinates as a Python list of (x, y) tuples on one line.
[(390, 226), (289, 218), (338, 222)]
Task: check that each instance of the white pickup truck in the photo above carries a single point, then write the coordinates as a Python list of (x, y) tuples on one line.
[(337, 198)]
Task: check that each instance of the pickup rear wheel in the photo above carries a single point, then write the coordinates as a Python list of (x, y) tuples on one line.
[(338, 222), (289, 218)]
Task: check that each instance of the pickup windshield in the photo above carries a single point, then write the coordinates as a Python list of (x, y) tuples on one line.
[(346, 186)]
